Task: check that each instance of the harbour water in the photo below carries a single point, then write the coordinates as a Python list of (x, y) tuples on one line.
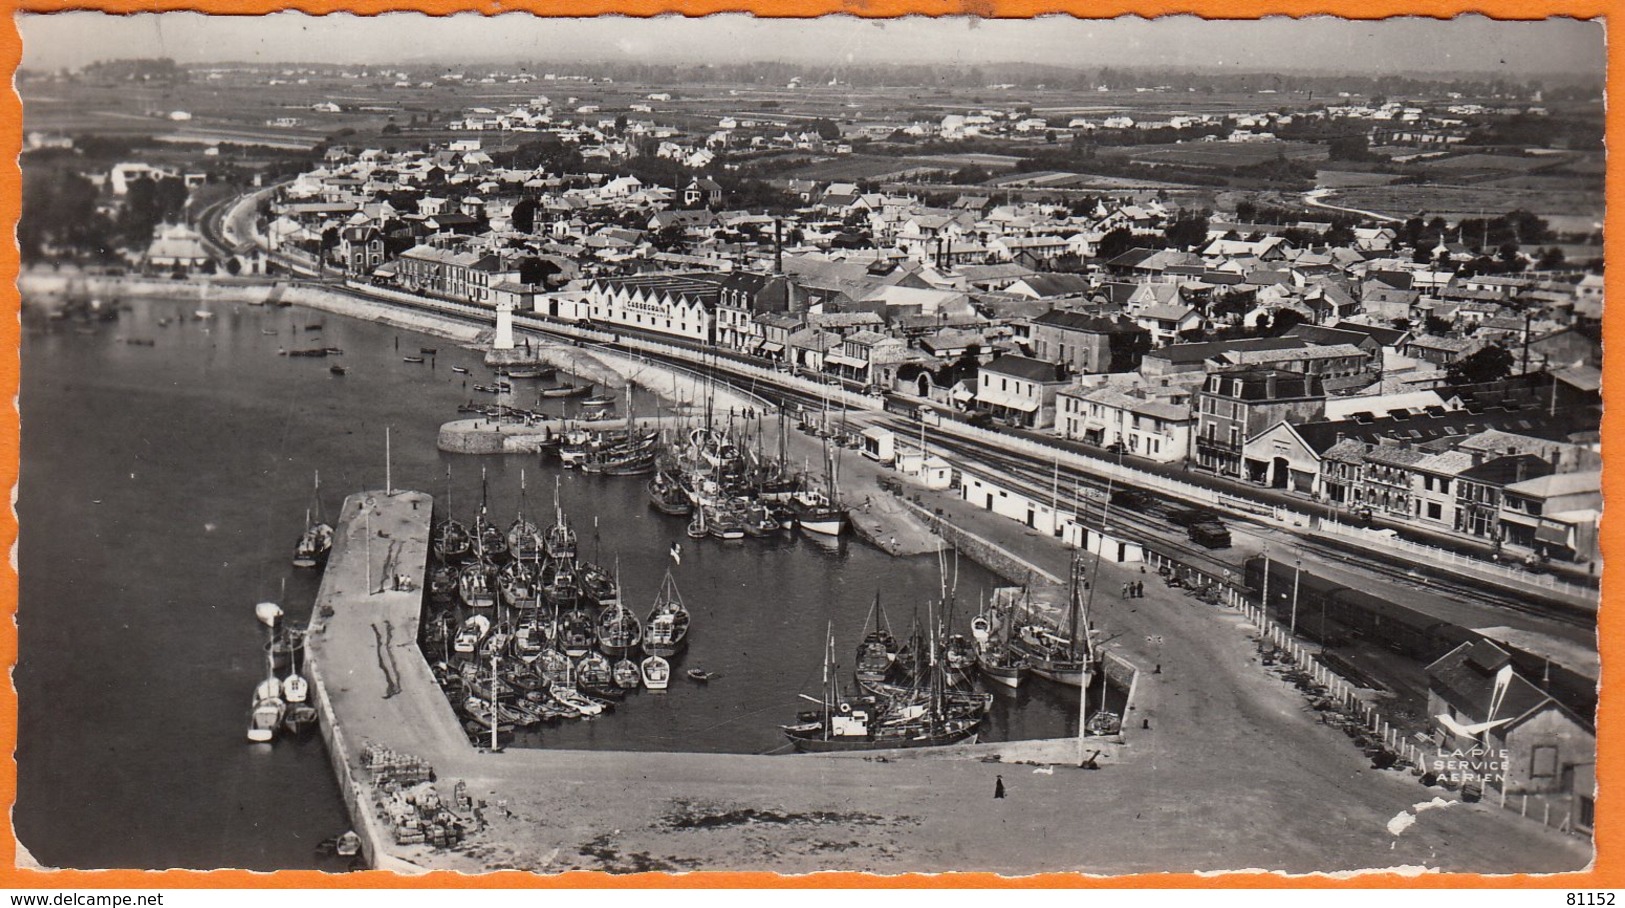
[(162, 489)]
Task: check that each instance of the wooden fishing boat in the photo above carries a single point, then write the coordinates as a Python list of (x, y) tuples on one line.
[(475, 586), (626, 674), (574, 699), (656, 673), (337, 369), (576, 633), (428, 351), (667, 631), (452, 541), (471, 635), (596, 584), (566, 389), (265, 716), (460, 370), (529, 641), (701, 676), (411, 359), (317, 540), (619, 631), (668, 497), (924, 718), (518, 582), (724, 525), (877, 654), (536, 372), (442, 583), (299, 719), (1064, 655), (554, 667)]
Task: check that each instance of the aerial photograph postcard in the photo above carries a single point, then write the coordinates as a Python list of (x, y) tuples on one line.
[(1108, 447)]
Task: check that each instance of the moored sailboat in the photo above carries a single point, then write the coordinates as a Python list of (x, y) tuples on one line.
[(317, 539), (667, 630)]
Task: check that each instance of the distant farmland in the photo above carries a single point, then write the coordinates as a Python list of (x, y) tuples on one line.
[(1221, 155)]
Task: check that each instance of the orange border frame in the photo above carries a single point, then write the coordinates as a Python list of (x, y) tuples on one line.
[(1608, 869)]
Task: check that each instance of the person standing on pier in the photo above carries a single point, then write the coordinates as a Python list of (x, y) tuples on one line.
[(998, 788)]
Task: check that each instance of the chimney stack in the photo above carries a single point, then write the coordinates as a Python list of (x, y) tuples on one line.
[(778, 248), (1522, 470)]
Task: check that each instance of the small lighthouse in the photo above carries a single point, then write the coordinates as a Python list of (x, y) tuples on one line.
[(504, 335)]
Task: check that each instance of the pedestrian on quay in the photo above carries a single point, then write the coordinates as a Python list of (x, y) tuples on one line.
[(1139, 589), (1125, 589), (998, 788)]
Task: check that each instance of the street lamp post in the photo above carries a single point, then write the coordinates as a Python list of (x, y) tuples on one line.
[(1297, 575)]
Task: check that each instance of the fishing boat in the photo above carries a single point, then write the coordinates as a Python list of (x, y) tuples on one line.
[(877, 654), (442, 583), (411, 359), (538, 372), (575, 700), (486, 714), (696, 527), (595, 677), (596, 584), (317, 540), (576, 633), (471, 635), (619, 631), (723, 524), (889, 723), (265, 716), (266, 708), (460, 370), (598, 402), (452, 541), (760, 521), (996, 660), (490, 543), (635, 463), (1064, 655), (1104, 722), (626, 674), (517, 581), (524, 540), (298, 719), (286, 646), (560, 542), (529, 641), (822, 513), (337, 369), (667, 630), (475, 586), (554, 667), (428, 351), (668, 497), (566, 389), (312, 351), (701, 676), (656, 673)]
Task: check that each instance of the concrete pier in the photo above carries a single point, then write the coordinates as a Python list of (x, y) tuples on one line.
[(370, 681)]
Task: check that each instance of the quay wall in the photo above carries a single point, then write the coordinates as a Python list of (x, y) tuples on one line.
[(988, 554)]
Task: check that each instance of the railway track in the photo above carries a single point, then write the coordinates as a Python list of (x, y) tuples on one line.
[(1040, 483)]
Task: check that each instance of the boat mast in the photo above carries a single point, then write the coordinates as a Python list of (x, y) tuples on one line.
[(829, 693)]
